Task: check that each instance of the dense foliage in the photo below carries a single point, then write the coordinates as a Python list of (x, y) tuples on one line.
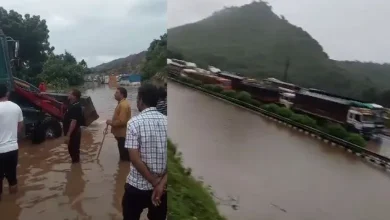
[(156, 58), (187, 197), (63, 70), (256, 42), (37, 60), (241, 98)]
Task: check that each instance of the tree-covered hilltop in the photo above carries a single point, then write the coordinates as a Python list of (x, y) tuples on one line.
[(37, 60), (256, 42), (156, 58)]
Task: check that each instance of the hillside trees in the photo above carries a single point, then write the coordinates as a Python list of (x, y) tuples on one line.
[(254, 41), (156, 58)]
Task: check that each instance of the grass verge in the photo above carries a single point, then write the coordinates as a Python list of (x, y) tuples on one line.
[(188, 199)]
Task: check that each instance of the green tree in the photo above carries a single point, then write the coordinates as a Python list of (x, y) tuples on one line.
[(33, 36), (156, 58), (63, 68)]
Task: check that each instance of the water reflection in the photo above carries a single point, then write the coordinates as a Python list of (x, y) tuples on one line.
[(120, 179), (74, 188)]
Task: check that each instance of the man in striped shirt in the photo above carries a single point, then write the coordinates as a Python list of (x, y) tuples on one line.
[(146, 139), (162, 102)]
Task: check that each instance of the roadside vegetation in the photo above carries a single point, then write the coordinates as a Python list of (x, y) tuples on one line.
[(187, 197), (155, 58), (333, 129)]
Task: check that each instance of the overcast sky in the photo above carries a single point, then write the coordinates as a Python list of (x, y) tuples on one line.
[(97, 30), (347, 29)]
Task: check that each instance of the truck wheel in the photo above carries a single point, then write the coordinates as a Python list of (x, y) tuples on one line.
[(52, 128), (47, 129)]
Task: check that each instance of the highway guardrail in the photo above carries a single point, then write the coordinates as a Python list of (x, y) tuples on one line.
[(359, 151)]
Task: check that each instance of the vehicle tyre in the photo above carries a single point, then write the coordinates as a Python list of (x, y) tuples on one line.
[(47, 129)]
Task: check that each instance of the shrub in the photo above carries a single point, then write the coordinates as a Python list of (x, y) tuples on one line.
[(271, 107), (185, 79), (197, 82), (337, 131), (255, 103), (304, 119), (229, 93), (208, 87), (216, 88), (356, 139), (284, 112), (244, 96), (297, 117)]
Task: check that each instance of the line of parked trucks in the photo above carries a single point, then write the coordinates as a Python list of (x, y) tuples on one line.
[(364, 118)]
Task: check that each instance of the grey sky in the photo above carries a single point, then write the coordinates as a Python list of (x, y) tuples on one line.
[(347, 29), (98, 31)]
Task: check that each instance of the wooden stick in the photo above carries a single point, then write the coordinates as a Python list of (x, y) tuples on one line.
[(105, 132)]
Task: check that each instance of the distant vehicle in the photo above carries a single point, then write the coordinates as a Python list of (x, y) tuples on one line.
[(206, 77), (130, 79), (365, 119), (106, 79), (287, 99)]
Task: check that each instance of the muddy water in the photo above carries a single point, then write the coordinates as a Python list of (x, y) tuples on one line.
[(273, 172), (52, 188)]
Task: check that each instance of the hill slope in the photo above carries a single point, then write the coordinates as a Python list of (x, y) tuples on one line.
[(121, 65), (256, 42)]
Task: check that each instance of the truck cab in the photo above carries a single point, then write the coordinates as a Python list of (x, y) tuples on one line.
[(287, 99), (364, 121)]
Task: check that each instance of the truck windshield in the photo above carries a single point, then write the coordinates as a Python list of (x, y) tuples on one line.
[(369, 118)]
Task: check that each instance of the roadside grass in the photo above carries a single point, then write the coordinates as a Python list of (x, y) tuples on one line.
[(188, 199)]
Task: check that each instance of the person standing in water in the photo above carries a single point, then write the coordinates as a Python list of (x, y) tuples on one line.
[(71, 125), (122, 115), (146, 139), (42, 87), (11, 123)]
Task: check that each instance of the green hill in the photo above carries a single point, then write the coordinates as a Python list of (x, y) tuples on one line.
[(121, 65), (256, 42)]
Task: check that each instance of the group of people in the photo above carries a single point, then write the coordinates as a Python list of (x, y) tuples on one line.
[(141, 139)]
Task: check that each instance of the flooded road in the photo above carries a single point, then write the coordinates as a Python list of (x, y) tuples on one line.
[(51, 188), (380, 146), (275, 172)]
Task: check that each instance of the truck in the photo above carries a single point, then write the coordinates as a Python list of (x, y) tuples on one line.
[(42, 112), (206, 78), (355, 116)]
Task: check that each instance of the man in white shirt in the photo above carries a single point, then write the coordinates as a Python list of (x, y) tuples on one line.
[(11, 122)]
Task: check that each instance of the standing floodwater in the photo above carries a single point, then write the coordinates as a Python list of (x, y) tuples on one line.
[(275, 172), (52, 188)]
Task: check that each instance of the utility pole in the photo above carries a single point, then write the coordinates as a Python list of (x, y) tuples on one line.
[(286, 67)]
